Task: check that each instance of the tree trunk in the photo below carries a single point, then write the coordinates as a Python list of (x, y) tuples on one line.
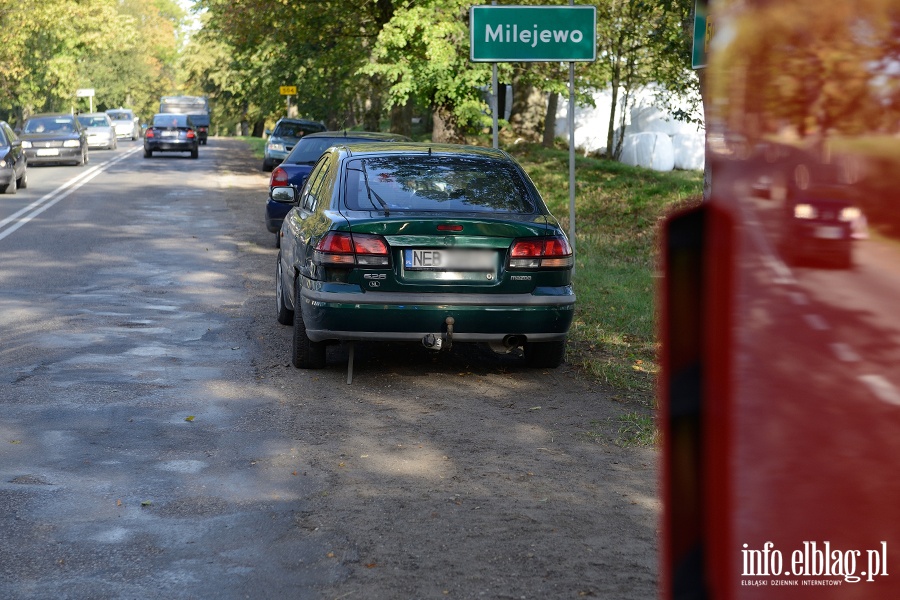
[(528, 109), (550, 120), (258, 128), (446, 129), (401, 119)]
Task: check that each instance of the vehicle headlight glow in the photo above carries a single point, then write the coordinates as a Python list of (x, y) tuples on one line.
[(26, 144), (2, 163), (805, 211), (850, 213), (276, 147), (71, 143)]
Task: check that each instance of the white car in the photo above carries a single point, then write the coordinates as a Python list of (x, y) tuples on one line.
[(100, 130), (127, 125)]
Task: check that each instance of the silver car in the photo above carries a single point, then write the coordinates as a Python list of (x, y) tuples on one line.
[(100, 130), (127, 125)]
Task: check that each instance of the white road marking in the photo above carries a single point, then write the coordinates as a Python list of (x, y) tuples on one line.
[(882, 388), (844, 352), (29, 212), (816, 322)]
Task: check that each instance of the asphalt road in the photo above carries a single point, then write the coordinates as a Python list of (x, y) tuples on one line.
[(156, 443)]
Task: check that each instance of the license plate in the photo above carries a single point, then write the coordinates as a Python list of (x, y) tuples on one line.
[(829, 233), (170, 134), (449, 260), (47, 152)]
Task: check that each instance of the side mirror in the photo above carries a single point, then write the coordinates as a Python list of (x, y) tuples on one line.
[(287, 195)]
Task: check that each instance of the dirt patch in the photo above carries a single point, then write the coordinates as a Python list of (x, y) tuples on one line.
[(459, 474)]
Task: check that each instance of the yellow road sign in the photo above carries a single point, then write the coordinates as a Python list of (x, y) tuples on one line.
[(288, 90)]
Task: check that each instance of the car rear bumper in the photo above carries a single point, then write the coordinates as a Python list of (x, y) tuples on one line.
[(275, 214), (63, 155), (171, 146), (337, 312)]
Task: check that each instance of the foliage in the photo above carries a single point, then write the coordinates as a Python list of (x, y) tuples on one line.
[(51, 48)]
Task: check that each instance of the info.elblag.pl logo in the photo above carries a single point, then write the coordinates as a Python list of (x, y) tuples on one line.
[(815, 563)]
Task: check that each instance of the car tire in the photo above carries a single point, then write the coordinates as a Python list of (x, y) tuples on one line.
[(284, 315), (195, 153), (148, 153), (13, 185), (544, 355), (267, 166), (306, 354), (22, 182)]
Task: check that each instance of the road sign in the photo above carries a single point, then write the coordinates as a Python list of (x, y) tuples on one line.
[(703, 32), (532, 33), (84, 93), (288, 90)]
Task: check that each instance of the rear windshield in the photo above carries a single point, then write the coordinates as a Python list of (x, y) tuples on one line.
[(308, 150), (50, 125), (436, 183), (295, 130), (171, 120), (94, 121), (120, 116)]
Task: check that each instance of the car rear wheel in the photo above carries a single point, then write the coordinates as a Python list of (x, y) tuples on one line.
[(306, 353), (22, 182), (284, 315), (195, 153), (148, 153), (544, 355), (267, 166)]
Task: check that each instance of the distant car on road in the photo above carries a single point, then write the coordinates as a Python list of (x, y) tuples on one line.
[(54, 138), (171, 132), (430, 243), (283, 137), (13, 164), (294, 169), (127, 125), (100, 130)]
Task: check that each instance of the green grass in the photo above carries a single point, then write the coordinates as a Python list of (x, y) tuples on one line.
[(618, 210)]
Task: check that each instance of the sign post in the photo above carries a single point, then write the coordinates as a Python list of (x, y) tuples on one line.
[(536, 34), (288, 91), (86, 93)]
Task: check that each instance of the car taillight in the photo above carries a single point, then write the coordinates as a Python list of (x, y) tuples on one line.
[(279, 178), (190, 134), (340, 248), (540, 253), (149, 133)]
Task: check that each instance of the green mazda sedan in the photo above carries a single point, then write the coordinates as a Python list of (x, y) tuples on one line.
[(430, 243)]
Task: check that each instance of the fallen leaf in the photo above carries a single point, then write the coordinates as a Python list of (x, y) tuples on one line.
[(340, 464), (15, 441), (146, 503), (294, 473), (535, 408), (371, 565), (118, 503), (330, 555), (189, 418)]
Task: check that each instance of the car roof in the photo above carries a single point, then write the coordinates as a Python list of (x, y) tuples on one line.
[(293, 120), (425, 149), (52, 115), (93, 114), (365, 135)]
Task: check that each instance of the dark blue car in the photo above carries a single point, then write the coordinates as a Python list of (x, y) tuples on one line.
[(294, 169)]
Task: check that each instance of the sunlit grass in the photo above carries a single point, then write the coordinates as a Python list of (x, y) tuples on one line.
[(618, 210)]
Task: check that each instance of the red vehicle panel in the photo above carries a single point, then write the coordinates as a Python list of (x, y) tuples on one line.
[(780, 329)]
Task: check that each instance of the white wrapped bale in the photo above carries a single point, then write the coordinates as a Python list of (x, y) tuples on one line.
[(649, 150), (690, 151)]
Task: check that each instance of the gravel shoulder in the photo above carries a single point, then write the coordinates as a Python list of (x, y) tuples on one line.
[(459, 474)]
